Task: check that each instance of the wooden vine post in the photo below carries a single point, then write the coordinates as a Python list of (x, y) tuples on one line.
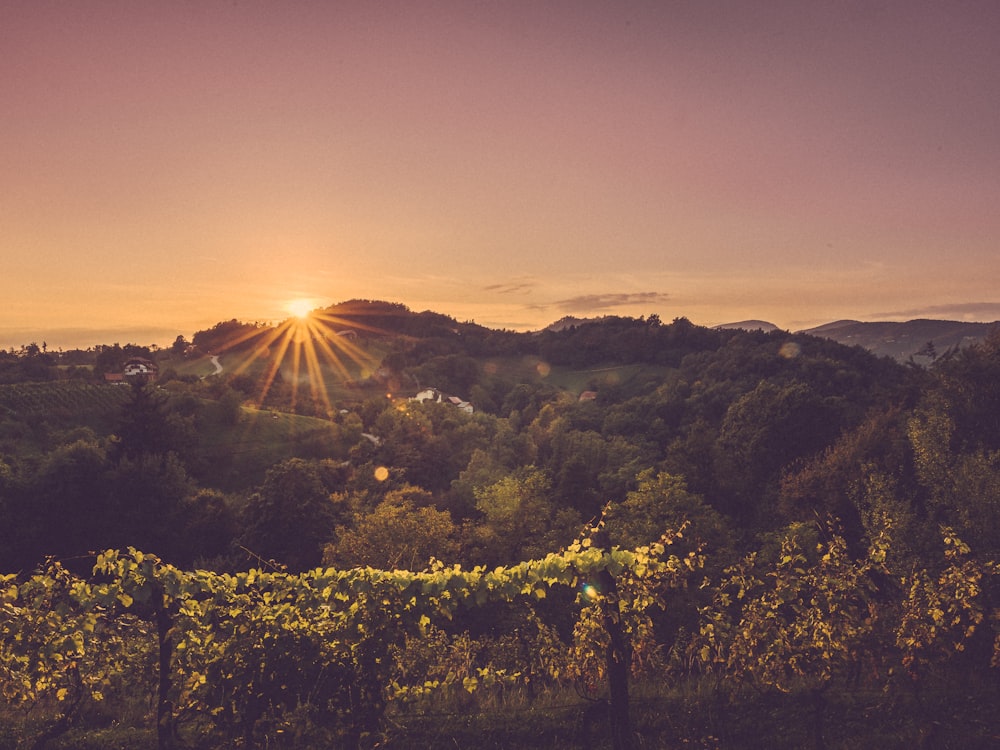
[(164, 708), (618, 656)]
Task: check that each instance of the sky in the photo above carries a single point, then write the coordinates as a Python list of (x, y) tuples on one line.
[(168, 165)]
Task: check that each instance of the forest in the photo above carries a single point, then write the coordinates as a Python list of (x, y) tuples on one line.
[(622, 533)]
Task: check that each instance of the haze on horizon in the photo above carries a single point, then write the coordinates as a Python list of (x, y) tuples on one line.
[(165, 166)]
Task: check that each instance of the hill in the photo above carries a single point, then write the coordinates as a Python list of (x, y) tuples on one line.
[(748, 325), (923, 340), (920, 340)]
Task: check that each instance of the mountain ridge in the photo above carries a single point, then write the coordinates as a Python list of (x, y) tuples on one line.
[(920, 339)]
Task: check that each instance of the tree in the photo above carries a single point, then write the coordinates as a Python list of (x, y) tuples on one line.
[(969, 380), (179, 346), (210, 526), (661, 502), (831, 484), (229, 406), (291, 517), (577, 458), (962, 488), (148, 494), (766, 429), (520, 521), (12, 529), (73, 504), (146, 426), (403, 531)]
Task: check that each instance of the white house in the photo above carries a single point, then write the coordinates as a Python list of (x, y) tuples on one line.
[(433, 394)]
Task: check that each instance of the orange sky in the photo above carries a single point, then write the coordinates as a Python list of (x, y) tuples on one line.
[(164, 166)]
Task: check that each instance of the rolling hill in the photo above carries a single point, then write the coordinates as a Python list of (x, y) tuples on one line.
[(923, 340)]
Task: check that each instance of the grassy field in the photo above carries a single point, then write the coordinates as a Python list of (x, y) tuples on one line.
[(239, 455), (236, 455), (619, 376)]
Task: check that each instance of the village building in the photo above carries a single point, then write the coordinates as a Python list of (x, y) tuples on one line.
[(134, 369), (433, 394)]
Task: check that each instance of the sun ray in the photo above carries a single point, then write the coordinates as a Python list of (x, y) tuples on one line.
[(261, 351), (275, 365), (353, 352), (316, 382), (242, 338), (314, 347)]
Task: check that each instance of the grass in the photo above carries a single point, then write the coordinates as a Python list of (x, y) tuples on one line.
[(198, 366), (707, 722), (577, 381), (532, 369), (946, 718), (239, 455)]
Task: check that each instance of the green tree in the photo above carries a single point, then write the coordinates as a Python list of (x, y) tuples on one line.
[(147, 427), (210, 525), (73, 503), (180, 345), (969, 380), (148, 494), (661, 501), (765, 430), (403, 531), (11, 523), (291, 517), (229, 407), (520, 521), (961, 489), (832, 484)]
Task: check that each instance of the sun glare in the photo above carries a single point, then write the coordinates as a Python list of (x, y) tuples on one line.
[(300, 308), (312, 346)]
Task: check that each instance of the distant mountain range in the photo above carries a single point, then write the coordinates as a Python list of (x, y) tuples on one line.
[(750, 325), (921, 339)]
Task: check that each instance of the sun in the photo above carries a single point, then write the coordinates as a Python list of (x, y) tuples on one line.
[(300, 308), (312, 346)]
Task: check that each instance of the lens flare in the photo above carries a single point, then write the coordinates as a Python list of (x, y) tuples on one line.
[(311, 348), (789, 350)]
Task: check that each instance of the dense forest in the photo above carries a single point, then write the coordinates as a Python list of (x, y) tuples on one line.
[(267, 535)]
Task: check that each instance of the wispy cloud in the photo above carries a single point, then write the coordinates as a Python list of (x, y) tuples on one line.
[(589, 303), (983, 311), (514, 286)]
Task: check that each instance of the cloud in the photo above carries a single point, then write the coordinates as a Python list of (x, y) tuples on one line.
[(515, 286), (588, 303), (970, 311)]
